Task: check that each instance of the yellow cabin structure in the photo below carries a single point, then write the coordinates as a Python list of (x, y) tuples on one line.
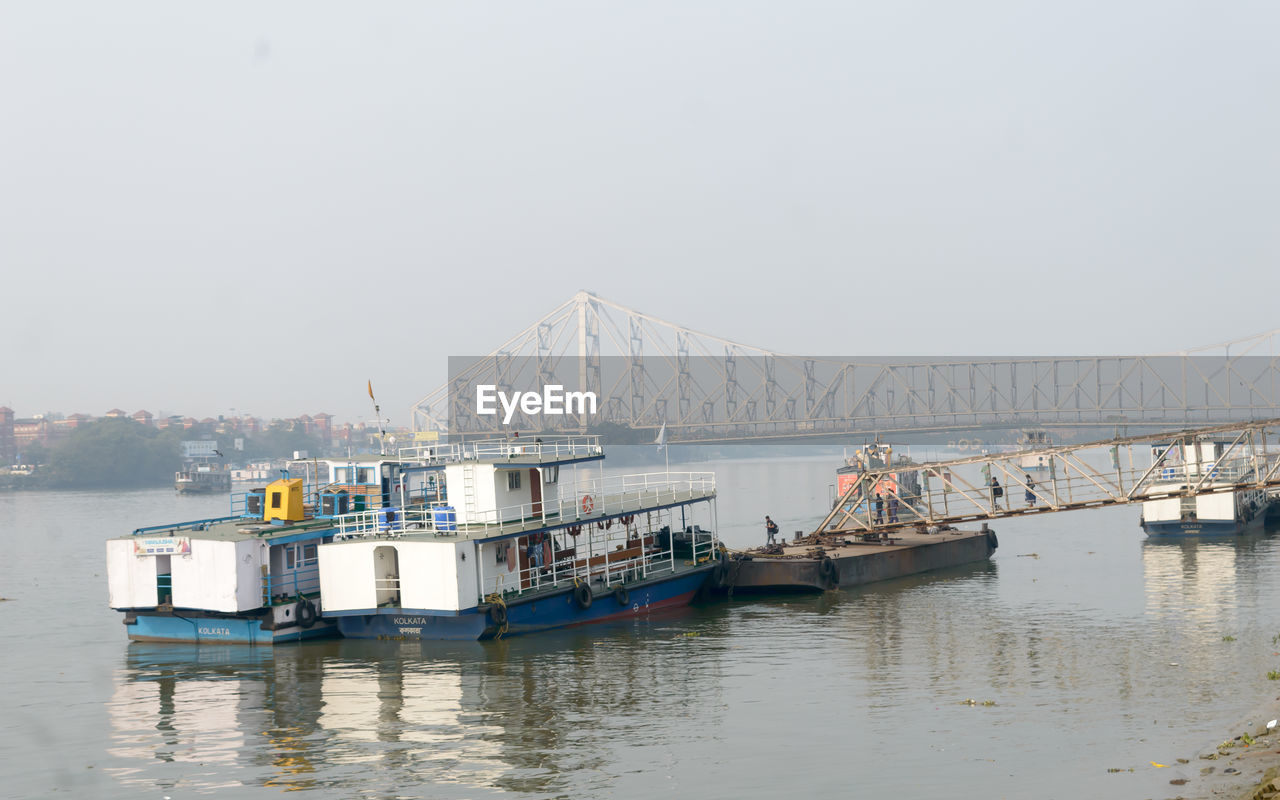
[(284, 501)]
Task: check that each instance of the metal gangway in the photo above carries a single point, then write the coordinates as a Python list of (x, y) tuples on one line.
[(1117, 471)]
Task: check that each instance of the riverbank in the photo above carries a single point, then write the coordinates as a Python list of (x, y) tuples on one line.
[(1244, 764)]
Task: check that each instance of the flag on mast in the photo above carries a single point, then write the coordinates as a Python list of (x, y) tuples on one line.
[(371, 389), (661, 441)]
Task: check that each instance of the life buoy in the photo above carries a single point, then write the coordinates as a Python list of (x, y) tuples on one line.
[(621, 594), (498, 613), (828, 571), (588, 504), (582, 596), (306, 613), (574, 530)]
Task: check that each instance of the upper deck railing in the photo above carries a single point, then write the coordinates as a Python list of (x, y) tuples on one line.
[(578, 502)]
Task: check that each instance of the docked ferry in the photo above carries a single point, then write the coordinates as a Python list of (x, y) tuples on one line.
[(1204, 465), (252, 577), (528, 536)]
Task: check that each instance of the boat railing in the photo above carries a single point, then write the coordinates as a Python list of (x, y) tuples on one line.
[(551, 448), (304, 580), (192, 525), (427, 454), (603, 561), (590, 500), (395, 521), (1233, 471), (580, 503)]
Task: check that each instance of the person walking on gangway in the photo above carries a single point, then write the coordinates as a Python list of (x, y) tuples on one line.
[(1031, 492), (770, 528), (879, 508)]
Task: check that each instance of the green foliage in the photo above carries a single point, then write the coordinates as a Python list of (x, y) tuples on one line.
[(112, 454), (1273, 675)]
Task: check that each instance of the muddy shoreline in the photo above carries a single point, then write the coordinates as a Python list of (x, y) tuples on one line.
[(1245, 763)]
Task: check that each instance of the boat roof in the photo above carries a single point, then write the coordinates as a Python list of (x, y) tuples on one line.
[(234, 529)]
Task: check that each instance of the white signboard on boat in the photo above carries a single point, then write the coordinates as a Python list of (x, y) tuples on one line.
[(162, 545)]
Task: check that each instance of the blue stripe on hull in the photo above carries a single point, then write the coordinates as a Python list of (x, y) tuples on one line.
[(527, 616), (220, 630), (1198, 528)]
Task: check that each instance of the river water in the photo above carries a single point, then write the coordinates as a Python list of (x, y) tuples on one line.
[(1097, 649)]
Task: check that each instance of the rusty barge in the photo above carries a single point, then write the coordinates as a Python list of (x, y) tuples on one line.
[(821, 563)]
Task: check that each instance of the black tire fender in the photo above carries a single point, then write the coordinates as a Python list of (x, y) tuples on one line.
[(498, 613), (623, 597), (582, 596), (306, 613), (993, 542), (720, 575), (828, 571)]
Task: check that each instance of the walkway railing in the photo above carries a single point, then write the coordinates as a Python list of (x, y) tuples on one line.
[(1111, 472)]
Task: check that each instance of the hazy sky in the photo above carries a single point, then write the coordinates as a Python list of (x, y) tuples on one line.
[(261, 206)]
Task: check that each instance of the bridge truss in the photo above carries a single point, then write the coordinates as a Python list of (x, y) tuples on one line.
[(649, 374)]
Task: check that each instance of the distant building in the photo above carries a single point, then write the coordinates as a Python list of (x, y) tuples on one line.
[(8, 445), (117, 413), (35, 430), (143, 417)]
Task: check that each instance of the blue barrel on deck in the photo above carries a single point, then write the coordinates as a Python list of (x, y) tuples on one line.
[(445, 518), (387, 518)]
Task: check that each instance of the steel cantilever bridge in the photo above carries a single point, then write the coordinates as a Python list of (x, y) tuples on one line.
[(648, 373)]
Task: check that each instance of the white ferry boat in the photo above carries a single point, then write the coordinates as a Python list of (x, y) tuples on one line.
[(530, 536), (1034, 439), (202, 476), (252, 577), (1203, 465)]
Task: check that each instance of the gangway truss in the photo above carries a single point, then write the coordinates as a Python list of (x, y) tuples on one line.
[(1117, 471)]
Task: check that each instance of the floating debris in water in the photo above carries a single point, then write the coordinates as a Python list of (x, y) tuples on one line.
[(1158, 765)]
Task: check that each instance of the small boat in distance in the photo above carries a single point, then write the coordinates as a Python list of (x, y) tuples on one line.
[(203, 476), (1034, 439)]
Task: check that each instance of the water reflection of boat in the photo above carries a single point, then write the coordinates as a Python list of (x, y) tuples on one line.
[(518, 547)]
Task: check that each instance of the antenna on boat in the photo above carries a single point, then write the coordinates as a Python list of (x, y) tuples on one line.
[(377, 413)]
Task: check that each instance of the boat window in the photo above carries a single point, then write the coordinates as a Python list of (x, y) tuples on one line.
[(513, 480), (290, 559), (364, 475), (341, 474), (275, 499), (551, 474), (308, 554)]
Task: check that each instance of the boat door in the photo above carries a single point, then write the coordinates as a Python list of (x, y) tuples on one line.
[(535, 492), (386, 575)]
